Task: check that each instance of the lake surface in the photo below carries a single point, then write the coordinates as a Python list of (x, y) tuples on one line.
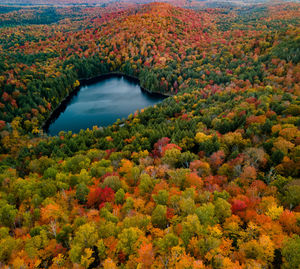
[(101, 104)]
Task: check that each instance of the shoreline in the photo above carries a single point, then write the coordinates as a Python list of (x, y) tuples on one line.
[(95, 79), (87, 81)]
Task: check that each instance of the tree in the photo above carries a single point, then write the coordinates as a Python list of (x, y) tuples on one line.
[(186, 158), (288, 221), (194, 180), (7, 246), (190, 227), (187, 206), (146, 184), (201, 167), (206, 214), (167, 242), (249, 172), (8, 215), (98, 196), (292, 196), (101, 249), (291, 253), (112, 182), (86, 258), (171, 156), (76, 163), (36, 243), (85, 238), (208, 246), (64, 235), (146, 255), (201, 137), (222, 209), (238, 205), (178, 177), (217, 158), (109, 264), (128, 239), (161, 198), (262, 250), (159, 216), (81, 193), (119, 196), (277, 156)]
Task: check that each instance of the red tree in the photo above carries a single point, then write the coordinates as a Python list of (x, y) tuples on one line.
[(99, 196)]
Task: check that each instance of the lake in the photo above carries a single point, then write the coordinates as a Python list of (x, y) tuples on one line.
[(101, 104)]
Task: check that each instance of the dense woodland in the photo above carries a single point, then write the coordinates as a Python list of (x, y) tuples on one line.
[(209, 178)]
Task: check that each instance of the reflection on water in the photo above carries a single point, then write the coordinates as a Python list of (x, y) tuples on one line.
[(101, 104)]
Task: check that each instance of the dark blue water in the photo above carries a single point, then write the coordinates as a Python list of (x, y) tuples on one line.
[(100, 104)]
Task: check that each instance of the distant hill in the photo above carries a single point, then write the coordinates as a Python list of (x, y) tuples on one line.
[(185, 3)]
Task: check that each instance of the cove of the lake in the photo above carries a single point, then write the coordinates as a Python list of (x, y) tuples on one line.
[(99, 104)]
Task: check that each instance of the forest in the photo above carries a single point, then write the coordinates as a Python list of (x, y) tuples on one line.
[(208, 178)]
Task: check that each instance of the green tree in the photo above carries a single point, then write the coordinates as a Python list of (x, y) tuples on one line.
[(8, 215), (291, 253), (146, 184), (81, 193), (127, 240), (64, 234), (292, 196), (222, 209), (167, 242), (171, 156), (7, 246), (206, 214), (85, 237), (190, 227), (120, 196), (112, 182), (187, 206), (159, 217), (161, 197), (178, 177), (76, 163)]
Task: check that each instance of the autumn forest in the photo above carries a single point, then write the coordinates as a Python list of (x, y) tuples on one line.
[(207, 178)]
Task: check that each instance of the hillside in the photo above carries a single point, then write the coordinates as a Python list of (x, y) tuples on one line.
[(180, 3), (209, 178)]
